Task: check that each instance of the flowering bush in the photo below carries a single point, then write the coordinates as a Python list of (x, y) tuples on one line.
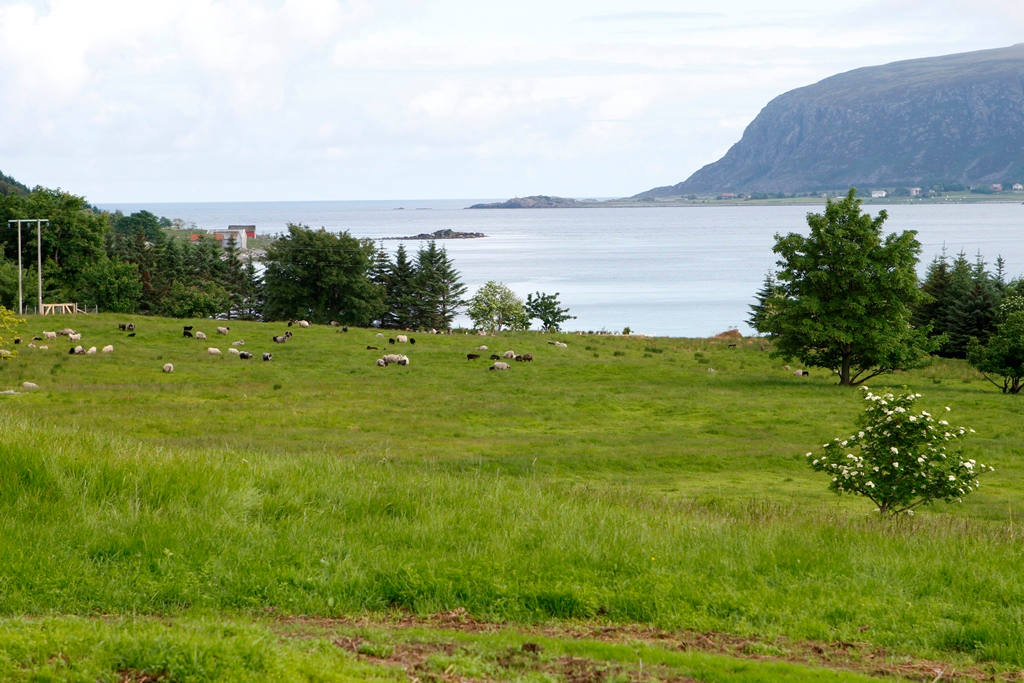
[(899, 459)]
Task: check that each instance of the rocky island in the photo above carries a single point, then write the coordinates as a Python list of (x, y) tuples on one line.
[(534, 202), (441, 235)]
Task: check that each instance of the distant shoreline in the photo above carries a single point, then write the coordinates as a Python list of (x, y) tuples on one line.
[(440, 235)]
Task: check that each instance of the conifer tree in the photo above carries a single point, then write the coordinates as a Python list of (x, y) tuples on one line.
[(760, 310), (439, 289), (401, 292)]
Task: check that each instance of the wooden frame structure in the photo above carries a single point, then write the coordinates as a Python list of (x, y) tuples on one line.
[(54, 309)]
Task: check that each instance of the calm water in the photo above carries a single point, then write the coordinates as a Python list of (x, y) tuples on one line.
[(679, 271)]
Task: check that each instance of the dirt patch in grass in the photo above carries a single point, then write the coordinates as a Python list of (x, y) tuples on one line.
[(858, 657)]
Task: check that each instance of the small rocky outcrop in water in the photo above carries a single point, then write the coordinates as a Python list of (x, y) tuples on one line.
[(441, 235), (534, 202)]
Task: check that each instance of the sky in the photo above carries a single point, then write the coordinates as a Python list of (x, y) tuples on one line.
[(232, 100)]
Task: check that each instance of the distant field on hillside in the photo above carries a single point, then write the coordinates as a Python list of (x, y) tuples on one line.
[(614, 481)]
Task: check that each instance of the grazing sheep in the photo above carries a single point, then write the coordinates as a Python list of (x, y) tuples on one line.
[(481, 348), (223, 330), (798, 373), (518, 359), (186, 334), (37, 339), (268, 356), (711, 370), (109, 348), (188, 328), (528, 357), (77, 351), (498, 365), (91, 351), (5, 353), (509, 354), (67, 331), (411, 340), (44, 348), (132, 334), (786, 368), (403, 360), (472, 356), (345, 329), (402, 339), (335, 323), (495, 356), (371, 348), (303, 324), (31, 386), (561, 345), (391, 340), (74, 337), (280, 339), (240, 342), (380, 335), (122, 326), (17, 340), (392, 357), (200, 335), (31, 345), (168, 367), (244, 355), (233, 350), (213, 352), (381, 363)]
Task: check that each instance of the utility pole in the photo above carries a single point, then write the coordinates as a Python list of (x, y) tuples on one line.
[(39, 261)]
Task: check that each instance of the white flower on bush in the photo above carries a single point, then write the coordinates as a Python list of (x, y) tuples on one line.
[(890, 425)]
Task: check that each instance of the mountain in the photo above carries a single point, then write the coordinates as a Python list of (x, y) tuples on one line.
[(955, 119), (9, 186), (534, 202)]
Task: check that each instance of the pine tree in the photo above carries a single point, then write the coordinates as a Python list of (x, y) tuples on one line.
[(971, 314), (439, 289), (400, 301), (759, 310)]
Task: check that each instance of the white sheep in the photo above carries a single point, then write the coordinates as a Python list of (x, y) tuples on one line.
[(481, 348), (303, 324), (168, 367), (403, 360), (109, 348), (213, 352), (223, 330), (91, 351), (392, 357), (75, 337), (498, 365), (380, 335), (200, 335), (29, 385), (268, 356), (240, 342), (233, 350), (509, 354), (561, 345), (402, 339), (44, 348), (381, 363), (79, 351), (31, 345), (50, 335)]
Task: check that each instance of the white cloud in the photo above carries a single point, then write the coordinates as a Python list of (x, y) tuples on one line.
[(202, 99)]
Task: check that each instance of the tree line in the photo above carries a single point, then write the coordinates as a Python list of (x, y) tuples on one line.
[(848, 299), (129, 264)]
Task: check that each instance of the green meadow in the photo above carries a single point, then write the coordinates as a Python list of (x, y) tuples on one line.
[(176, 525)]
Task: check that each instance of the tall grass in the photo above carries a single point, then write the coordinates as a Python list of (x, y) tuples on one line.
[(91, 524)]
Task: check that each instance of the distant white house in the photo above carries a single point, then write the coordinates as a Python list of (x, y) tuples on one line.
[(996, 187), (879, 194), (915, 192), (1018, 186), (236, 236)]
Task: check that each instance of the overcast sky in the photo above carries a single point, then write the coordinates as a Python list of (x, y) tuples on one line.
[(206, 100)]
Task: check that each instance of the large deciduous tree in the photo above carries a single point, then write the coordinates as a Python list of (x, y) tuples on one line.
[(845, 295), (1003, 354), (495, 307), (548, 310), (321, 276)]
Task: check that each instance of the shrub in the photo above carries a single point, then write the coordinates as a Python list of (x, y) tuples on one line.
[(899, 459)]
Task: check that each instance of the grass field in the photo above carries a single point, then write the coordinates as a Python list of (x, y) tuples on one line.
[(614, 482)]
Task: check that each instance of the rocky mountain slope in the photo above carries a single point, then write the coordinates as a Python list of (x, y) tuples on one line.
[(957, 118)]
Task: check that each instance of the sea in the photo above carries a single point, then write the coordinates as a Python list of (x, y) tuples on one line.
[(683, 271)]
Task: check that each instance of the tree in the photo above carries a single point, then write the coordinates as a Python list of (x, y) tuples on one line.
[(438, 288), (8, 323), (495, 307), (113, 286), (400, 303), (1003, 355), (899, 459), (321, 276), (547, 309), (845, 295), (759, 311)]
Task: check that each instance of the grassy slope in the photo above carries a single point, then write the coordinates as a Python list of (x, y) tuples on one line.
[(632, 487)]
